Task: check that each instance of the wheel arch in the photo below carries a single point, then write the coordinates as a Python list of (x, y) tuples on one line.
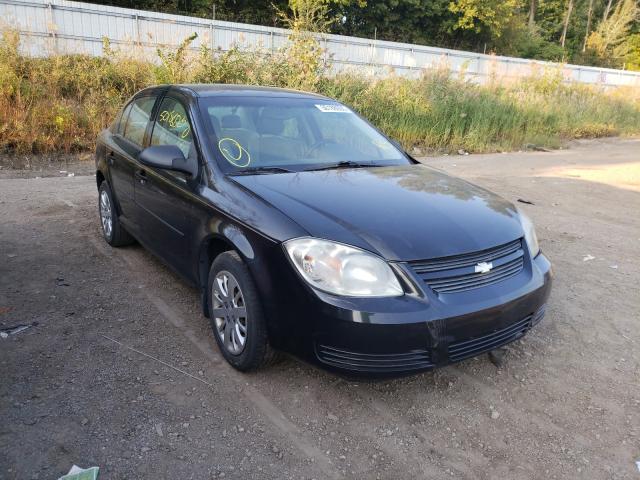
[(231, 239), (100, 177)]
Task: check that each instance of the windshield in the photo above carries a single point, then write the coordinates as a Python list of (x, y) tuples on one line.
[(280, 134)]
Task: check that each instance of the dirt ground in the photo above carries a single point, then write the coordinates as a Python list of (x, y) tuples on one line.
[(120, 369)]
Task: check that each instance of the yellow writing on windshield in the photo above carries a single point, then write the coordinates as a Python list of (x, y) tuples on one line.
[(233, 152)]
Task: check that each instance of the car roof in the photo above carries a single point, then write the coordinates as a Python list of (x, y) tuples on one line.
[(220, 89)]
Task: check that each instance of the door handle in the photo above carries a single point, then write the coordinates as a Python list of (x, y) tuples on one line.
[(141, 176), (110, 158)]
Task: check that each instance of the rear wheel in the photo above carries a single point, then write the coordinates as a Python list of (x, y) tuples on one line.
[(112, 231), (236, 314)]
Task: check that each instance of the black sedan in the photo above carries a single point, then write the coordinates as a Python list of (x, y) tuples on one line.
[(308, 231)]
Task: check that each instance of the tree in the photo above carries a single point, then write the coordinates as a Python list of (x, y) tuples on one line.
[(483, 16), (632, 61), (586, 35), (586, 31), (567, 18), (610, 42), (522, 41), (304, 53), (413, 21), (607, 10), (532, 13)]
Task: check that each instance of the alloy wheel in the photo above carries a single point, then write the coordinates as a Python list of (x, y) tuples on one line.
[(229, 312), (106, 215)]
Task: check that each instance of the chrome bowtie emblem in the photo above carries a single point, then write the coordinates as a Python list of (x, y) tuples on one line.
[(484, 267)]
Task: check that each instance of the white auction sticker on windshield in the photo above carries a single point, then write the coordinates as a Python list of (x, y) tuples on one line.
[(332, 108)]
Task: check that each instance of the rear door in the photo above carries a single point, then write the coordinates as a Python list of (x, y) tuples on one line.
[(128, 141), (165, 198)]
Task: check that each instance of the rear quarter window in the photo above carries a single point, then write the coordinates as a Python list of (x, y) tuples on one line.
[(121, 120)]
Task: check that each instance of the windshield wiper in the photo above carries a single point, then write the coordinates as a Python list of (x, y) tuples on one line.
[(261, 170), (344, 164)]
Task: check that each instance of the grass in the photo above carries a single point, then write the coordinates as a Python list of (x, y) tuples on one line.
[(61, 102), (442, 113)]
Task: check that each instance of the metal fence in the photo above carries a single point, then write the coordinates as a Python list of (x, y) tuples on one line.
[(62, 26)]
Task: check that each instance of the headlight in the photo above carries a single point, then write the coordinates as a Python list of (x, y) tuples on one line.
[(529, 234), (341, 269)]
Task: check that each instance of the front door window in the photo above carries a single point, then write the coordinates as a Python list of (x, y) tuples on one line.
[(172, 127)]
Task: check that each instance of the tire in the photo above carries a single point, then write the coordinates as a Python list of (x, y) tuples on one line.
[(237, 321), (112, 231)]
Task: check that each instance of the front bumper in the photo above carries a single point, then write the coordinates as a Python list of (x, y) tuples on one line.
[(397, 336)]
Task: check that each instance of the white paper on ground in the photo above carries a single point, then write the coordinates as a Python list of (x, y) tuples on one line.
[(77, 473)]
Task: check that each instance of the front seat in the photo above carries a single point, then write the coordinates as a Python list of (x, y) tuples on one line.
[(274, 147)]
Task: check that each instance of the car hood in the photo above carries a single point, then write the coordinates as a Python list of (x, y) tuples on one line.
[(409, 212)]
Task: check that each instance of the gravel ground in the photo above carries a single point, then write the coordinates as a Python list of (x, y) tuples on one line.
[(119, 369)]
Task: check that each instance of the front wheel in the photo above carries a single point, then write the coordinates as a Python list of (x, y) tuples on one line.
[(236, 314)]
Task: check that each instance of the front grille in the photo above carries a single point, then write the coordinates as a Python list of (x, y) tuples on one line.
[(457, 273), (378, 363), (491, 341)]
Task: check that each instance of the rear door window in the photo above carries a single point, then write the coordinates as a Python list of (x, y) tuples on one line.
[(137, 119)]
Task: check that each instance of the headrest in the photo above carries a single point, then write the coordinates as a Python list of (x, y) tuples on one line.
[(231, 121), (270, 125)]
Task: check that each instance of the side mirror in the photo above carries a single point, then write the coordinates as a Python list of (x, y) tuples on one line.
[(168, 157)]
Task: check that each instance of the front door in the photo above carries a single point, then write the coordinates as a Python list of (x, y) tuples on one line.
[(165, 198)]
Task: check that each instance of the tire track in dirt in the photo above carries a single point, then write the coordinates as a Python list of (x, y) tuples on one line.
[(360, 423), (541, 422), (454, 463), (414, 463)]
